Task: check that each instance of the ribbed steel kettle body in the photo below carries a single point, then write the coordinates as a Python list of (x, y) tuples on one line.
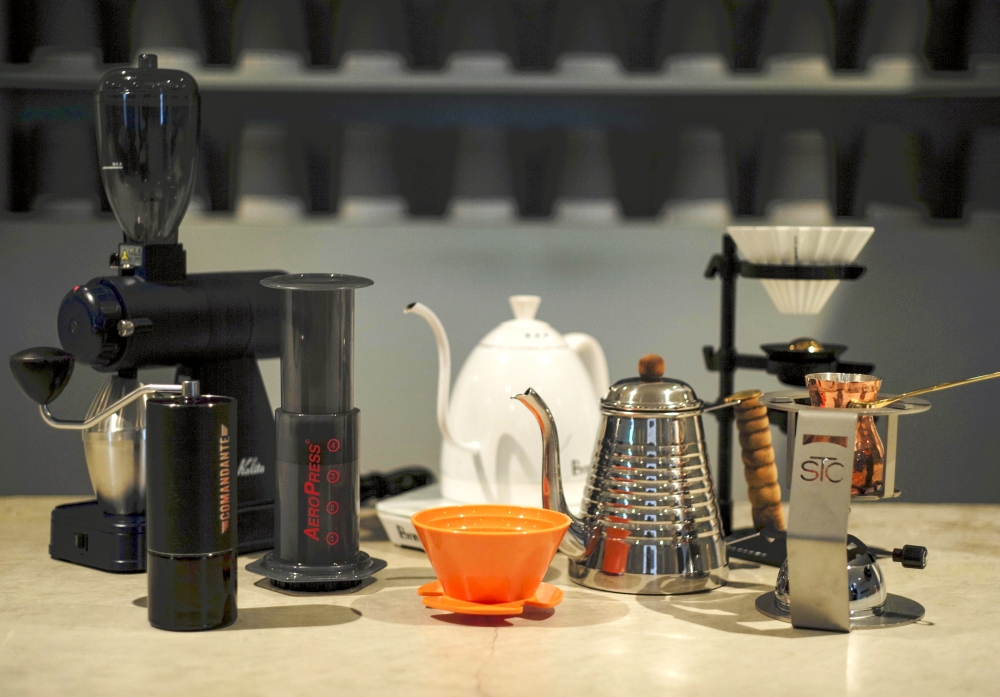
[(650, 508)]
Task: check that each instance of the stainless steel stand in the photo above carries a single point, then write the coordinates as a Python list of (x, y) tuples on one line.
[(819, 476)]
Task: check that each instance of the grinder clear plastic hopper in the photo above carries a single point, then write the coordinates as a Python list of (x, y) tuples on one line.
[(317, 530)]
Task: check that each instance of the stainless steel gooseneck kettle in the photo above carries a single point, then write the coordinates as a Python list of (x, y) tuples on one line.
[(650, 524)]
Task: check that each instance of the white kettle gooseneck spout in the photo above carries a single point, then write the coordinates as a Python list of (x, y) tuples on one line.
[(444, 375), (553, 497)]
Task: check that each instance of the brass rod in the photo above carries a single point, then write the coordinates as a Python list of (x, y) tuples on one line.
[(881, 403)]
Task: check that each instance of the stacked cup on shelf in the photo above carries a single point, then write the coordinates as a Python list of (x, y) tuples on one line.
[(172, 29), (68, 35), (798, 39), (484, 187), (699, 178)]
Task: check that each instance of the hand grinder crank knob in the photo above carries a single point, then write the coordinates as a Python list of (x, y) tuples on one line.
[(911, 556), (41, 372)]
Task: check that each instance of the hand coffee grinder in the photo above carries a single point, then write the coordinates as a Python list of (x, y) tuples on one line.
[(211, 327)]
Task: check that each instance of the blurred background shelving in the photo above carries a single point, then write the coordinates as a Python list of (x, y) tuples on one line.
[(500, 110)]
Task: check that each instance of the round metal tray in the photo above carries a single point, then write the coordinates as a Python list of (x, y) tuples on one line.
[(896, 611), (798, 400)]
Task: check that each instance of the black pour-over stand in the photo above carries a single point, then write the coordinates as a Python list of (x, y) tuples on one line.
[(726, 360)]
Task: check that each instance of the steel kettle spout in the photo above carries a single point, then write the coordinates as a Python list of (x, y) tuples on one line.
[(553, 498), (444, 375)]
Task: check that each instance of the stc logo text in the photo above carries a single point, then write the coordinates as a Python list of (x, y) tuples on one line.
[(826, 469)]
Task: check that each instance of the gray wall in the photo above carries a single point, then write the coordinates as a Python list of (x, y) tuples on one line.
[(926, 312)]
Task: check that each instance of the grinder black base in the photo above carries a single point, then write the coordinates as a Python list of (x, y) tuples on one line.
[(82, 533)]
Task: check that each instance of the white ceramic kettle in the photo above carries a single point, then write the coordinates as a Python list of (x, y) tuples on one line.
[(490, 451)]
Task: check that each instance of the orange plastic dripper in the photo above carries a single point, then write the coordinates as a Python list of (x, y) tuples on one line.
[(490, 553)]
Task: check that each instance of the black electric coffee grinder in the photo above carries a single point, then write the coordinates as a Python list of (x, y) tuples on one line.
[(211, 327), (318, 523)]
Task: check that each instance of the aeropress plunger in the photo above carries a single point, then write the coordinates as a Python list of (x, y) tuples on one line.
[(317, 535)]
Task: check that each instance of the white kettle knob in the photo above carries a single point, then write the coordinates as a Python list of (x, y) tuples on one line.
[(524, 306)]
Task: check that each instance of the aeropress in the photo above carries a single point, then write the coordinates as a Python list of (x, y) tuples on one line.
[(318, 521)]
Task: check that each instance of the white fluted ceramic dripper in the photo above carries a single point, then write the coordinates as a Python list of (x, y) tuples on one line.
[(808, 246)]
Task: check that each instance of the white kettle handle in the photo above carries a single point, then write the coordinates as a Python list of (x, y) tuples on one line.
[(590, 352)]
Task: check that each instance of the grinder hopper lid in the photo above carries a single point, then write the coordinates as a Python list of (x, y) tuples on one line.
[(148, 82)]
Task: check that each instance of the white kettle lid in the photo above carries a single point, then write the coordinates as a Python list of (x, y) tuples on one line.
[(524, 331)]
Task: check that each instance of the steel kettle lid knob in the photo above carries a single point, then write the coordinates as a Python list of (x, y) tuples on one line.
[(41, 372), (651, 368)]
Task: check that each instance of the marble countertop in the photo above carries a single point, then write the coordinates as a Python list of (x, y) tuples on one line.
[(66, 629)]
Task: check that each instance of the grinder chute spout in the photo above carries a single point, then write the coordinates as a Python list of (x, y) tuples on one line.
[(553, 497)]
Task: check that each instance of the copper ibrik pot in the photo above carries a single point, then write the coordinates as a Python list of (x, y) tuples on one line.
[(839, 390)]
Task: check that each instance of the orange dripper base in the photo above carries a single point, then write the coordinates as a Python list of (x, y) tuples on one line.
[(547, 596)]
